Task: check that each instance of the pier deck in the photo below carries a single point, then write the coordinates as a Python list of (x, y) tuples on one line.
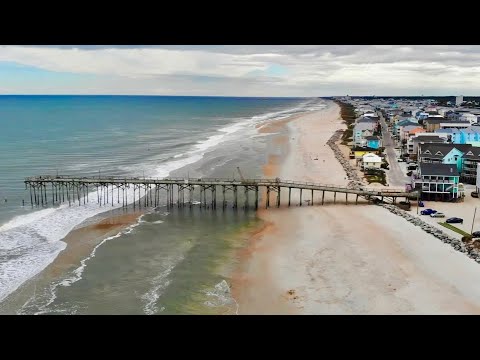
[(63, 188)]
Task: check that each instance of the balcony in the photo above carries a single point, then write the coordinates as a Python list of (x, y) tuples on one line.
[(419, 181)]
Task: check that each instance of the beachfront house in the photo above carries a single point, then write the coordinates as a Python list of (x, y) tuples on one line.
[(360, 131), (373, 142), (371, 161), (471, 159), (359, 152), (437, 182), (423, 138), (443, 153)]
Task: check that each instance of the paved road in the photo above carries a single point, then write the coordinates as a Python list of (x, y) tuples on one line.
[(396, 176)]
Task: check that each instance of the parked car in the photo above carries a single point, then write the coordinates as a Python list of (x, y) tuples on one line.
[(437, 214), (476, 234), (428, 212), (400, 160), (474, 194), (454, 220)]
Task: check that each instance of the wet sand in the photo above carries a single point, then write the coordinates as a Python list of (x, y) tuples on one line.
[(80, 244), (344, 259), (82, 240)]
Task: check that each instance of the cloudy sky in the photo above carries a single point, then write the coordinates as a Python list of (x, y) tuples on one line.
[(241, 70)]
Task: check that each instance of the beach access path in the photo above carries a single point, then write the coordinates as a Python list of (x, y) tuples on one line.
[(346, 259)]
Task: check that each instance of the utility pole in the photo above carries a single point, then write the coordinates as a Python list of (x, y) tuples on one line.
[(475, 212), (418, 200)]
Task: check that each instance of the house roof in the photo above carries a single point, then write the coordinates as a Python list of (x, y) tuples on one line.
[(363, 126), (372, 138), (446, 131), (411, 127), (431, 120), (472, 153), (406, 123), (438, 169), (425, 138), (455, 122), (439, 151), (416, 130), (371, 157), (366, 119)]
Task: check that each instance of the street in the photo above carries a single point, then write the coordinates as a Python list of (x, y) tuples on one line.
[(396, 176)]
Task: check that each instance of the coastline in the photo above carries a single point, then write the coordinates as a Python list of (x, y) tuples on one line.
[(80, 243), (340, 259)]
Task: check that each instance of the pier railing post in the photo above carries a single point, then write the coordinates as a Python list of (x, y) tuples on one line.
[(267, 204), (235, 200)]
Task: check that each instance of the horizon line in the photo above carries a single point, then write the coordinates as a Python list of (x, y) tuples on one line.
[(243, 96)]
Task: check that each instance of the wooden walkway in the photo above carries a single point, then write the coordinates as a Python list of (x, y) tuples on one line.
[(59, 189)]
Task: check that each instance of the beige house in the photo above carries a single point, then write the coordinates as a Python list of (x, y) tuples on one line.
[(371, 161)]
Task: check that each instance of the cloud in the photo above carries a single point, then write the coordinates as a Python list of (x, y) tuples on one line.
[(254, 70)]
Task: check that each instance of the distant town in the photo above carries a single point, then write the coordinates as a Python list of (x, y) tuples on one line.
[(431, 145)]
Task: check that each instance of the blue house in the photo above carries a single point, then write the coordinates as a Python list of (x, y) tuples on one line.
[(469, 135), (373, 142), (453, 135)]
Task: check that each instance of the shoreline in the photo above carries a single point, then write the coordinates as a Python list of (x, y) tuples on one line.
[(340, 259), (80, 242)]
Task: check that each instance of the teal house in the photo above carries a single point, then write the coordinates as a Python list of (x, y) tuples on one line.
[(373, 142), (437, 182), (451, 154)]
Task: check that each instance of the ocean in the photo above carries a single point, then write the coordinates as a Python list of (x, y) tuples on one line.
[(171, 261)]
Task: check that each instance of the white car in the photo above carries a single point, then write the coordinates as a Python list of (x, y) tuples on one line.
[(400, 160), (437, 214)]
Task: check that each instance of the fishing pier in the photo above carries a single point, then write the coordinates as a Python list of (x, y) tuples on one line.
[(152, 192)]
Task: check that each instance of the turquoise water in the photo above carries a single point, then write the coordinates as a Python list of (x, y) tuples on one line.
[(128, 136)]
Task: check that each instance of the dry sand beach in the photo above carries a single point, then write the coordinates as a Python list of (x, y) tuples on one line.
[(344, 259)]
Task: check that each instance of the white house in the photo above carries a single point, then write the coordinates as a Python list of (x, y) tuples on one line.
[(370, 160), (471, 118)]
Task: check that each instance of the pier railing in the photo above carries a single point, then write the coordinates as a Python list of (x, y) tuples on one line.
[(77, 188), (181, 180)]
